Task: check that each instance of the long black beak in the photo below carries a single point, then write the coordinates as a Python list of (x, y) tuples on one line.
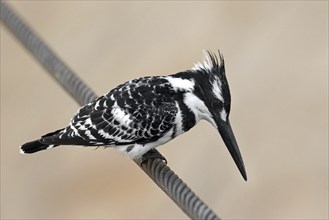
[(225, 130)]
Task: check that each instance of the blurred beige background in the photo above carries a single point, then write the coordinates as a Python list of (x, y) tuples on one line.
[(276, 56)]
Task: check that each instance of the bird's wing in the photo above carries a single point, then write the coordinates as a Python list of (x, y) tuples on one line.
[(139, 111)]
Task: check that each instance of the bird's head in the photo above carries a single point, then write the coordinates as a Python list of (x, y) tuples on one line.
[(214, 91)]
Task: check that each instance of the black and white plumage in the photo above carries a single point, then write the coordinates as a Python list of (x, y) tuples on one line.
[(144, 113)]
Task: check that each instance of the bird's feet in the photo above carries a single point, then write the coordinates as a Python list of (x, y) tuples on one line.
[(152, 154)]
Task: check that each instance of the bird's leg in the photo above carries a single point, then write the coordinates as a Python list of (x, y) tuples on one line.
[(152, 154)]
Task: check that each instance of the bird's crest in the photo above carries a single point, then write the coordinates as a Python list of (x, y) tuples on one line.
[(210, 63)]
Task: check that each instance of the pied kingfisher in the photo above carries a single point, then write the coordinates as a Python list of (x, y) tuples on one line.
[(143, 113)]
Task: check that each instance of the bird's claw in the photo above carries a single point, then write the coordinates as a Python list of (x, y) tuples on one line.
[(152, 154)]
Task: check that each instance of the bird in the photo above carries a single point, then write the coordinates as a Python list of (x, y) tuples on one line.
[(144, 113)]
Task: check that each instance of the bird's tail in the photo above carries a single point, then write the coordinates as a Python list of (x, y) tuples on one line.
[(35, 146), (47, 141)]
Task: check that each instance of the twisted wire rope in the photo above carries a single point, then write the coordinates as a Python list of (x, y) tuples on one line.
[(156, 169)]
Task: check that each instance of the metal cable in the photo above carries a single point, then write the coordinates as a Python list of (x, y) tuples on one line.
[(156, 169)]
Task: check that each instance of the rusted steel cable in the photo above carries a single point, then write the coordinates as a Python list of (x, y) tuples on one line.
[(156, 169)]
